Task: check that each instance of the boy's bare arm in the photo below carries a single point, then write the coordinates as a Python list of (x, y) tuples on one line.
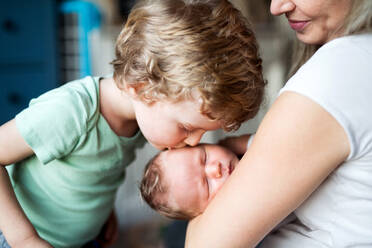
[(14, 224)]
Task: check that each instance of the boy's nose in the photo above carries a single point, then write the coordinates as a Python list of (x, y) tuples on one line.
[(213, 169), (279, 7), (194, 138)]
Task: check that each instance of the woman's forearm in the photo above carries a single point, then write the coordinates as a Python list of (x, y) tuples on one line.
[(231, 221)]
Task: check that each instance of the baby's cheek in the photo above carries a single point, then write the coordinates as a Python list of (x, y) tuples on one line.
[(218, 184), (214, 187), (203, 206)]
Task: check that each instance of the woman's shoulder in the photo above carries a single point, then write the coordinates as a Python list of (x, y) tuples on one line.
[(359, 43), (339, 58), (354, 38), (337, 78)]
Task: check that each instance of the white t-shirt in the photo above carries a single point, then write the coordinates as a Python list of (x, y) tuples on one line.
[(339, 213)]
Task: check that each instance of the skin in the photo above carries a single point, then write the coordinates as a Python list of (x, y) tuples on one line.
[(301, 147), (120, 109), (109, 232), (322, 17), (19, 231), (193, 175), (181, 121)]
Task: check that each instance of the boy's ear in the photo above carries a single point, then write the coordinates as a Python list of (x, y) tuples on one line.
[(133, 89)]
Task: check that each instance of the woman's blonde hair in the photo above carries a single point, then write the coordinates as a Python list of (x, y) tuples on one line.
[(358, 21), (169, 49)]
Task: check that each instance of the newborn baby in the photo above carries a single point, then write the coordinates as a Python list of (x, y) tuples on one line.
[(179, 183)]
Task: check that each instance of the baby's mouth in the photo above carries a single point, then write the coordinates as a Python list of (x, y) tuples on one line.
[(232, 165)]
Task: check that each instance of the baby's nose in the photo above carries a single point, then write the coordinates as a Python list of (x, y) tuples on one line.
[(213, 169)]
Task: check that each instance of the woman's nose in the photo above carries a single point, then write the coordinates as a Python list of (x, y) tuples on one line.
[(213, 169), (194, 138), (279, 7)]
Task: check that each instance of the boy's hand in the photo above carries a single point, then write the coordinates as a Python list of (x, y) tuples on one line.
[(109, 232), (237, 144), (33, 242)]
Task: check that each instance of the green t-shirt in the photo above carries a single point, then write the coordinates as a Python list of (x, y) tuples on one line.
[(67, 189)]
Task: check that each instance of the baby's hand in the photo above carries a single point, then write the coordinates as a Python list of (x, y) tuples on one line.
[(237, 144)]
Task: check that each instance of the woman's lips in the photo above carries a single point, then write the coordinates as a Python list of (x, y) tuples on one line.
[(297, 25)]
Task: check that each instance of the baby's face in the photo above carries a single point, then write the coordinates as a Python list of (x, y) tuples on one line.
[(195, 174)]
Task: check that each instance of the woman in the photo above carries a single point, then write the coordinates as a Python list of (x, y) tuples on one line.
[(312, 154)]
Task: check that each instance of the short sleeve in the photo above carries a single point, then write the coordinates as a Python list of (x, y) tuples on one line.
[(338, 78), (54, 122)]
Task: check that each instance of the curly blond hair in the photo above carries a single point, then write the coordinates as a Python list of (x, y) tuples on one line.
[(154, 192), (171, 48)]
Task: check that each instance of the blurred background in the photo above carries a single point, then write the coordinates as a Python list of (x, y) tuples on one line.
[(45, 43)]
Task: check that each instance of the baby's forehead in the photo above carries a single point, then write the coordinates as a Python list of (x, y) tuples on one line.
[(178, 151), (180, 161)]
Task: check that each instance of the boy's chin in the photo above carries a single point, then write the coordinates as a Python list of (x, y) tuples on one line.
[(159, 147)]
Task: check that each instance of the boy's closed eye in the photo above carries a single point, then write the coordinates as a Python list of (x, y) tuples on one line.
[(186, 129)]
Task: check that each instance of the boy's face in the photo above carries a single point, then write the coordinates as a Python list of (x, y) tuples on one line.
[(193, 175), (172, 125)]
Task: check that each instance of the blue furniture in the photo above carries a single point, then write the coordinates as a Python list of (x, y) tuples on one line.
[(41, 47), (28, 53)]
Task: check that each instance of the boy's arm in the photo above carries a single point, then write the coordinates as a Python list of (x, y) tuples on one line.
[(14, 224), (237, 144)]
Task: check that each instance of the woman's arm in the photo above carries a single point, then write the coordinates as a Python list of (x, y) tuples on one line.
[(13, 222), (297, 145)]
